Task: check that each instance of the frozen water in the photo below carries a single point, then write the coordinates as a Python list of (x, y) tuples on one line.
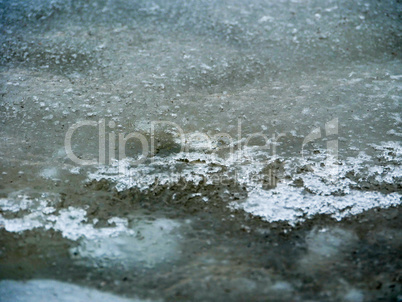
[(146, 245), (51, 290), (235, 116), (145, 242)]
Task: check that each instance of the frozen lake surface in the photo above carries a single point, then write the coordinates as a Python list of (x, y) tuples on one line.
[(200, 150)]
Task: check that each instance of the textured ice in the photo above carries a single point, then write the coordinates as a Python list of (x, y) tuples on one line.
[(290, 204), (70, 222), (329, 190), (19, 202), (146, 242), (279, 69)]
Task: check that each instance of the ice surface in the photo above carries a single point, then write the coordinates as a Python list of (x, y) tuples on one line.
[(51, 290), (146, 243), (250, 115), (300, 192)]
